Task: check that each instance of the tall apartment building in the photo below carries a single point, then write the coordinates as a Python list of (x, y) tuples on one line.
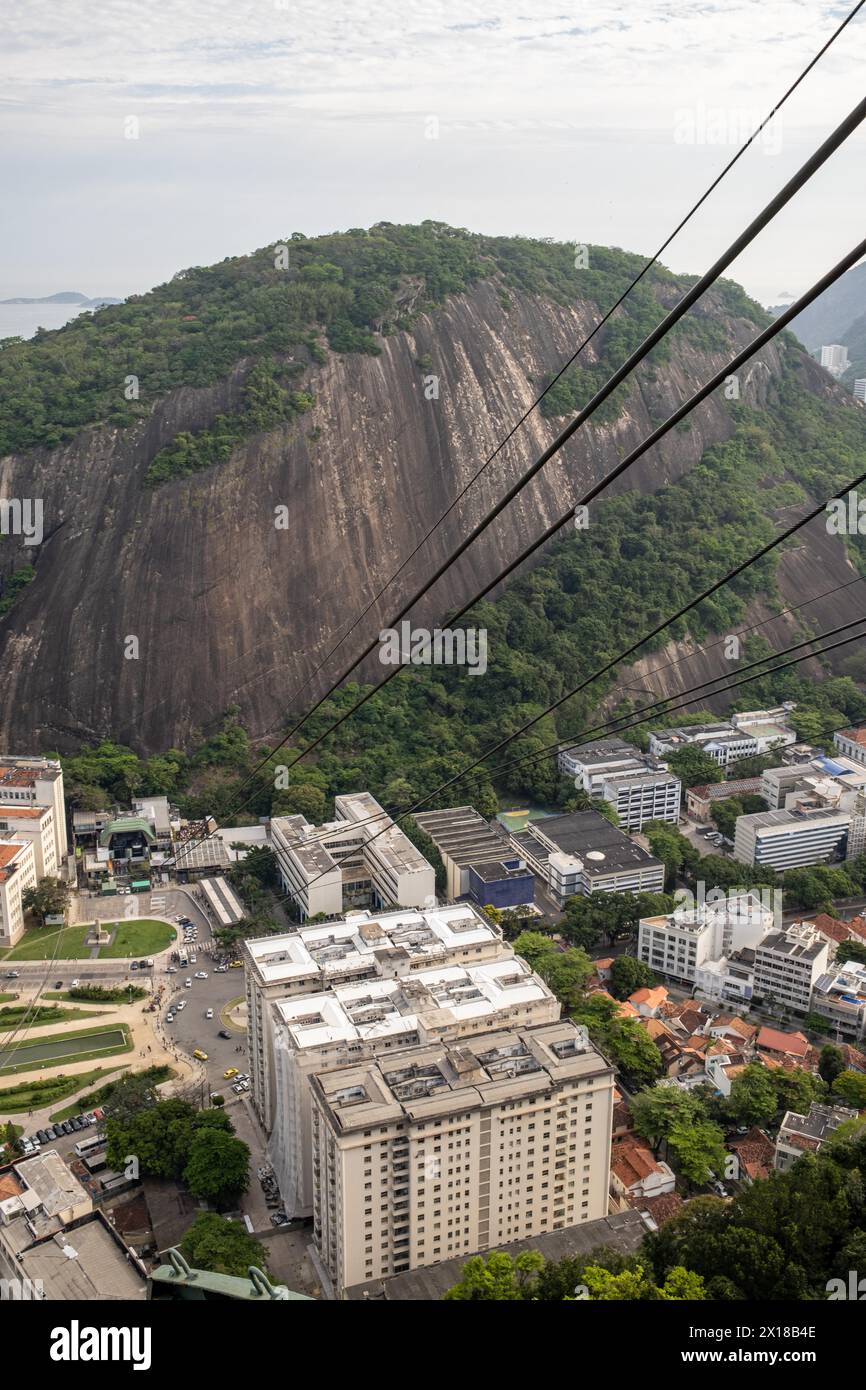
[(17, 873), (638, 786), (790, 839), (787, 965), (359, 858), (708, 946), (35, 824), (443, 1151), (363, 946), (860, 388), (834, 358), (26, 781), (351, 1023), (839, 995)]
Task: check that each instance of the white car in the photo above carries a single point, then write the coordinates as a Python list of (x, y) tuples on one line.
[(187, 984), (208, 1013), (181, 1004), (169, 1018), (201, 974), (75, 984), (171, 970)]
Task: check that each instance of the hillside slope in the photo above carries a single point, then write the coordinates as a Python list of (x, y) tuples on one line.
[(147, 537)]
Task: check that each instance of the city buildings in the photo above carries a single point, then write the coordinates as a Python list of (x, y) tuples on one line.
[(26, 781), (742, 736), (321, 1032), (860, 388), (852, 744), (363, 946), (584, 853), (806, 834), (359, 858), (502, 883), (463, 839), (839, 995), (638, 786), (443, 1151), (17, 873), (799, 1134), (700, 800), (787, 965), (834, 358), (709, 945)]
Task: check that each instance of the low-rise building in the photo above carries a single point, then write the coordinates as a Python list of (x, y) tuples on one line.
[(791, 839), (583, 853), (359, 858), (502, 883), (636, 1172), (852, 744), (464, 839), (35, 781), (839, 995), (776, 1046), (700, 800), (743, 735), (638, 786), (799, 1134), (442, 1151)]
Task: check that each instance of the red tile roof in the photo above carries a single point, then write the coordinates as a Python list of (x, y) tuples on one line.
[(789, 1044)]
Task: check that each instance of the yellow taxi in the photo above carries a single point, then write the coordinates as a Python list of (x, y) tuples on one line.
[(202, 1056), (227, 1075), (236, 964)]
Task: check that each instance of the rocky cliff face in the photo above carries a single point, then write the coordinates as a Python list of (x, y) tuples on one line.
[(227, 607)]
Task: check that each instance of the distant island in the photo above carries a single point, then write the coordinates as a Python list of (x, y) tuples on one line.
[(67, 297)]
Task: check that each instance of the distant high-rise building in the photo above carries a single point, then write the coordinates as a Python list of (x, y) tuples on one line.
[(834, 358), (860, 388)]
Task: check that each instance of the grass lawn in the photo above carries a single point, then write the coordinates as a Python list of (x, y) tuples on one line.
[(39, 944), (33, 1095), (102, 1093), (111, 995), (57, 1049), (42, 1014), (138, 937)]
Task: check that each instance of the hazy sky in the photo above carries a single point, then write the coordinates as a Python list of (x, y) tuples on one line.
[(595, 122)]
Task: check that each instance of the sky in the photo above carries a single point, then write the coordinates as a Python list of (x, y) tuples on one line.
[(139, 137)]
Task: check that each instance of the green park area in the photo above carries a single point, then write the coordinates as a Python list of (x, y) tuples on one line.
[(136, 937), (37, 1016), (81, 1045), (33, 1094), (154, 1076)]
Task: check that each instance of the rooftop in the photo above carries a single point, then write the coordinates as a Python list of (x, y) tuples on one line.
[(463, 835), (774, 1040), (86, 1263), (56, 1188), (588, 836), (820, 1122)]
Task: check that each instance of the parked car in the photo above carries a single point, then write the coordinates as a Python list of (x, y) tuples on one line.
[(76, 1122), (169, 1018), (224, 1033), (187, 984), (58, 984), (66, 1127), (181, 1004), (12, 974), (229, 1073), (134, 965), (171, 970), (202, 1056), (75, 984), (42, 1136), (208, 1013)]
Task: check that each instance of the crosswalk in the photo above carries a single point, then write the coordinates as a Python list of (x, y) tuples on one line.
[(157, 902)]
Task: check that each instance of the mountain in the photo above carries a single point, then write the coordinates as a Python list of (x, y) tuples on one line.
[(66, 297), (833, 315), (234, 463)]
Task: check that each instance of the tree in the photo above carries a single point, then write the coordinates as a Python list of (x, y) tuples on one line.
[(47, 899), (158, 1137), (659, 1109), (851, 950), (830, 1063), (634, 1284), (222, 1246), (496, 1277), (753, 1096), (218, 1165), (849, 1088), (698, 1149), (694, 767), (305, 799), (566, 972), (627, 975), (725, 814), (534, 946), (129, 1095)]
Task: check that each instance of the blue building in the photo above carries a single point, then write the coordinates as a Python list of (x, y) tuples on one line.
[(501, 883)]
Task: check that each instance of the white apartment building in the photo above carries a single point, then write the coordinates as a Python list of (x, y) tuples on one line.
[(839, 995), (26, 781), (443, 1151), (352, 1023), (360, 857), (799, 1134), (36, 824), (17, 873), (834, 358), (742, 736), (860, 388), (638, 786), (699, 945), (787, 965), (852, 744), (363, 946), (790, 839)]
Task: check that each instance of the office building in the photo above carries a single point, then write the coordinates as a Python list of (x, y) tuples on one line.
[(361, 858), (834, 358), (799, 1134), (444, 1151), (36, 781), (363, 946), (17, 873), (583, 853), (708, 946), (636, 785), (742, 736), (463, 838), (806, 834), (351, 1023), (787, 965), (823, 781)]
